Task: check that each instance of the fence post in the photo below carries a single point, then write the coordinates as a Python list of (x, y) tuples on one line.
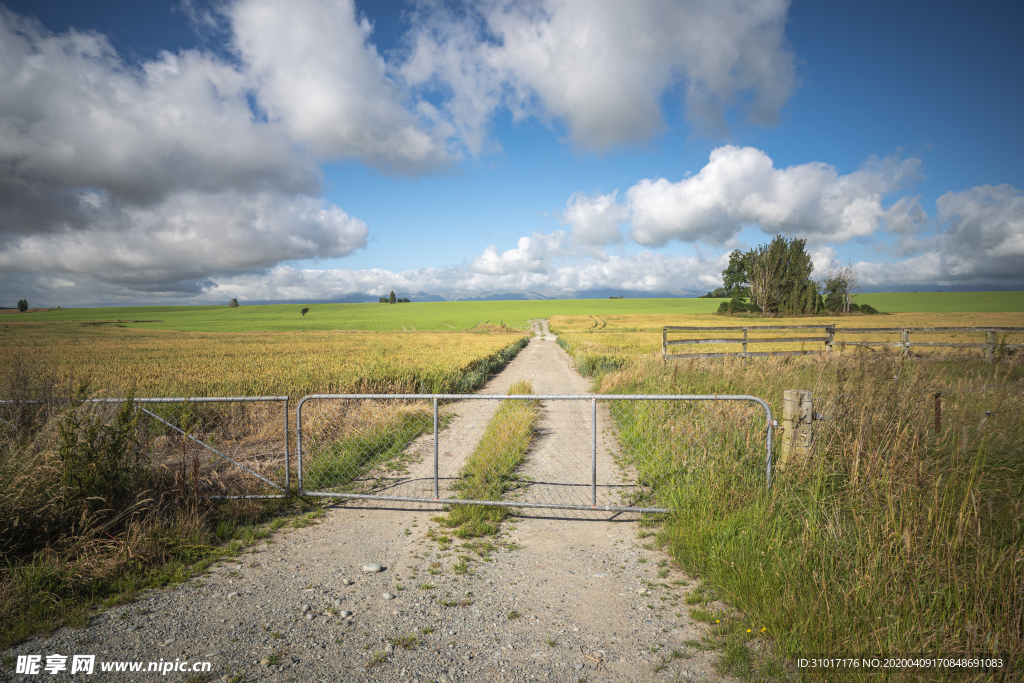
[(990, 339), (797, 434), (745, 344), (905, 342), (664, 343), (287, 459), (830, 337)]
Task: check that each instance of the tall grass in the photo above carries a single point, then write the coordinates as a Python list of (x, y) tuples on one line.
[(889, 539), (490, 471)]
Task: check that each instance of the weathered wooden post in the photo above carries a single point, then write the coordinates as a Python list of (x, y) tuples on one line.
[(905, 342), (830, 337), (797, 426), (990, 339), (744, 344), (664, 345)]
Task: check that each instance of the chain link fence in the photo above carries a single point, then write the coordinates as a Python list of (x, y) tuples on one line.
[(604, 452), (227, 447)]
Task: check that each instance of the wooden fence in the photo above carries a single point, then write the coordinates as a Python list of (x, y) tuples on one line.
[(830, 338)]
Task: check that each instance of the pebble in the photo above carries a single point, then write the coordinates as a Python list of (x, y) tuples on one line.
[(233, 595), (373, 567), (388, 596), (346, 582), (345, 614), (389, 648), (265, 662), (309, 616), (305, 608), (337, 602)]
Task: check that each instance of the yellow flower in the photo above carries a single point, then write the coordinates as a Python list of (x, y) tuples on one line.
[(718, 621), (748, 630), (763, 629)]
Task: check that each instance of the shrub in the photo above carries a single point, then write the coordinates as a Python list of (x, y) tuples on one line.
[(233, 303), (305, 311)]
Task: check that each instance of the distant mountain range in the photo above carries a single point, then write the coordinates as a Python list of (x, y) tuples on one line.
[(423, 297)]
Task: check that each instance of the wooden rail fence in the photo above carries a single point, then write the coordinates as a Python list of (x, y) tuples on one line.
[(830, 339)]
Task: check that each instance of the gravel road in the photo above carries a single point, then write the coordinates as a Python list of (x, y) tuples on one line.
[(557, 596)]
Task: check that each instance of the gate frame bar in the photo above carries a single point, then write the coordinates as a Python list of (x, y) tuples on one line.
[(594, 398)]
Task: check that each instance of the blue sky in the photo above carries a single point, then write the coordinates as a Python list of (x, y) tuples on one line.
[(323, 150)]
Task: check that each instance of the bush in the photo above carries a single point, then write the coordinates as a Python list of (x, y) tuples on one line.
[(868, 309), (233, 303)]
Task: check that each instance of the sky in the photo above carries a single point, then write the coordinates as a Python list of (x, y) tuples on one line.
[(334, 150)]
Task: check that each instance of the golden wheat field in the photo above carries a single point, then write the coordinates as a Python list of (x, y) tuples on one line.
[(638, 335), (117, 360)]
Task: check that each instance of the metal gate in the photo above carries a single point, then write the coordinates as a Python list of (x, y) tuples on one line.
[(606, 452)]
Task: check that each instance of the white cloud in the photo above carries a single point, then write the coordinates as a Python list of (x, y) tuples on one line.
[(599, 66), (187, 237), (595, 220), (318, 73), (740, 186), (74, 115), (985, 237)]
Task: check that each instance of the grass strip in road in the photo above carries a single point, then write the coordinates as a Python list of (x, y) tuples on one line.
[(490, 471)]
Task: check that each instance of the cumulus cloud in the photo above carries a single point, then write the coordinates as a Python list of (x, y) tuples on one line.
[(595, 220), (740, 186), (599, 69), (643, 272), (188, 236), (985, 234), (73, 115), (318, 73)]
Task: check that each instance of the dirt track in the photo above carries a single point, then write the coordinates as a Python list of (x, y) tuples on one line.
[(560, 596)]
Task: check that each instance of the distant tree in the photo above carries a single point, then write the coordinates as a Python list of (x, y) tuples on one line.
[(233, 303), (383, 300), (392, 298), (305, 311), (23, 305)]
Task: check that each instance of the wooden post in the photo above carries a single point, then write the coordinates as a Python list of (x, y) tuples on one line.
[(938, 412), (797, 432), (905, 340), (744, 344), (830, 334), (664, 344), (990, 339)]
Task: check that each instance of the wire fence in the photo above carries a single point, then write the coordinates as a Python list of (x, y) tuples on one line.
[(228, 447)]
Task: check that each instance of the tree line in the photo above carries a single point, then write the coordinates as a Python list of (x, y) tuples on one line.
[(775, 279)]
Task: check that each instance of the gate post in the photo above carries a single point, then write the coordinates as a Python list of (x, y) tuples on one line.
[(797, 434), (436, 495), (593, 456)]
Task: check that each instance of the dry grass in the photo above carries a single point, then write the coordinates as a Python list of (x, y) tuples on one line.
[(163, 363)]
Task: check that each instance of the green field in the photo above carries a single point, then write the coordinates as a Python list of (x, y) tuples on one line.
[(462, 315), (945, 302), (435, 316)]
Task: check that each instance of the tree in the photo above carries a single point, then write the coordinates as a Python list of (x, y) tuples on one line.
[(392, 298), (233, 303), (839, 287), (734, 277), (22, 305), (776, 276), (305, 311), (765, 275)]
